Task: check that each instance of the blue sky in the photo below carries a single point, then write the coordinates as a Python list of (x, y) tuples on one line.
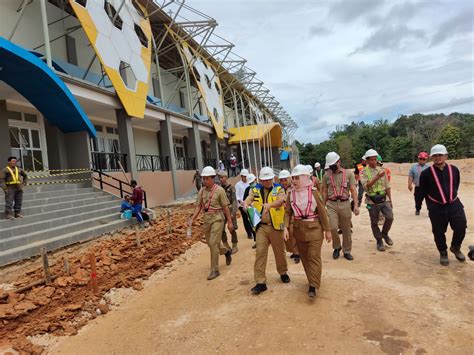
[(333, 62)]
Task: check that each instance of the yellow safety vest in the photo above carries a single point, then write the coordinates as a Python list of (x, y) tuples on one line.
[(15, 176), (376, 189), (277, 215)]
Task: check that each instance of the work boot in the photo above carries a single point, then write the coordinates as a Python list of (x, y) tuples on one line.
[(213, 275), (458, 253), (258, 289), (443, 258), (417, 212), (249, 236), (387, 240), (235, 249), (471, 252), (380, 246), (285, 278), (8, 216), (228, 257), (312, 292), (336, 253), (18, 215), (297, 259), (292, 256), (254, 246), (348, 256)]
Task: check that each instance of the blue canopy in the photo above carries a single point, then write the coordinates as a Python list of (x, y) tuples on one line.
[(284, 155), (36, 82)]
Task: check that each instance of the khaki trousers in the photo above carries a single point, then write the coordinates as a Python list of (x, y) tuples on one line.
[(291, 242), (309, 240), (213, 227), (340, 216), (267, 235)]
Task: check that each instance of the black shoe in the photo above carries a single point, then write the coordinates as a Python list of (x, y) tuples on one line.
[(458, 253), (292, 256), (228, 257), (258, 289), (250, 236), (311, 292), (297, 259), (348, 256), (387, 240), (380, 246), (213, 275), (285, 278), (336, 253), (417, 212), (471, 252), (443, 258), (254, 246), (339, 231)]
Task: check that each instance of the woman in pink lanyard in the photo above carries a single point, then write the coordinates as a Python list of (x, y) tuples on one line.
[(310, 225)]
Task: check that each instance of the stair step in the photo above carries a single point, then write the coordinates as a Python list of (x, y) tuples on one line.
[(56, 187), (33, 249), (57, 199), (30, 238), (55, 222), (30, 196)]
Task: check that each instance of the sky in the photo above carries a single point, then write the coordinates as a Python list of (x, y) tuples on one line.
[(333, 62)]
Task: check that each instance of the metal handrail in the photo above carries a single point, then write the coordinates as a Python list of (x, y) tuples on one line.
[(146, 162), (108, 161)]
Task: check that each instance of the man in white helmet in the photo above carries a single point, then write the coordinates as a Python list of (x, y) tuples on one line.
[(268, 199), (239, 193), (213, 201), (358, 171), (439, 186), (378, 198), (230, 193), (318, 171), (313, 178), (337, 186), (285, 182)]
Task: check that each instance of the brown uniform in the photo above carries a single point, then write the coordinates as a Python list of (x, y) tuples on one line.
[(339, 207), (267, 235), (309, 238), (230, 193), (291, 242), (212, 202)]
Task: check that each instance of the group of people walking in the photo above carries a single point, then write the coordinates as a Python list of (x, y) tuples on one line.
[(308, 206)]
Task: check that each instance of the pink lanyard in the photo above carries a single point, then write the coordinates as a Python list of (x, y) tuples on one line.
[(207, 208), (440, 189), (336, 195), (297, 210)]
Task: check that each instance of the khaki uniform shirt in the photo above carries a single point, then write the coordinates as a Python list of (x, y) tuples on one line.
[(266, 216), (382, 183), (350, 181), (230, 193), (219, 200)]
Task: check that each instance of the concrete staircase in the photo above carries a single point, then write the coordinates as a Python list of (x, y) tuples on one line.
[(57, 215)]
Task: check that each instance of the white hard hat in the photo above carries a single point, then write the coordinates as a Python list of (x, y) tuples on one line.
[(363, 157), (244, 172), (371, 153), (250, 178), (310, 168), (208, 171), (266, 173), (300, 170), (284, 174), (332, 158), (438, 149), (317, 165)]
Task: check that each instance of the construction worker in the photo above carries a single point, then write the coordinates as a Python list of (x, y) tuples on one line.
[(230, 193), (378, 198), (312, 177), (337, 186), (310, 225), (239, 192), (197, 180), (213, 201), (414, 179), (13, 180), (268, 199), (285, 182), (439, 186), (359, 168), (318, 172)]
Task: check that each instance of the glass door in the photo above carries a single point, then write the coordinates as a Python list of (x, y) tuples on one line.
[(26, 146)]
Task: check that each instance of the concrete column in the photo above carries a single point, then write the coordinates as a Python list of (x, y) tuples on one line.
[(194, 145), (214, 148), (127, 143), (78, 150), (5, 148), (56, 144), (166, 139)]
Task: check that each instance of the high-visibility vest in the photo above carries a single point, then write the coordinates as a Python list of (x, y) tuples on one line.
[(15, 176), (440, 188), (377, 189), (389, 174), (277, 215), (310, 211)]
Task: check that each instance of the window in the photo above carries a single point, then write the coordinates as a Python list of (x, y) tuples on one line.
[(71, 52), (156, 88), (109, 130), (112, 13), (141, 36), (178, 147), (14, 115), (98, 128), (217, 88), (31, 118), (208, 81), (182, 99)]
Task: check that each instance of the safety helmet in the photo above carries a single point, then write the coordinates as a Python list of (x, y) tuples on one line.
[(317, 165), (208, 171), (332, 158), (438, 149), (244, 172), (423, 155), (371, 153), (299, 170), (284, 174), (310, 169), (363, 157), (251, 178), (266, 173)]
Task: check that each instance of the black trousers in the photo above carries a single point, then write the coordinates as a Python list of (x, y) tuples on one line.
[(247, 225), (360, 193), (374, 211), (418, 198), (452, 214)]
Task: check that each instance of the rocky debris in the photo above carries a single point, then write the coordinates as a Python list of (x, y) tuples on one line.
[(67, 304)]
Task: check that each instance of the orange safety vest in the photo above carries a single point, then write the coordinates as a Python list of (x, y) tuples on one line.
[(360, 168), (389, 174)]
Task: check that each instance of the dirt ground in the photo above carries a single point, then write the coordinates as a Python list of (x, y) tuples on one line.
[(398, 301)]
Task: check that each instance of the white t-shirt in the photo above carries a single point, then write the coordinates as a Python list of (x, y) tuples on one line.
[(240, 190)]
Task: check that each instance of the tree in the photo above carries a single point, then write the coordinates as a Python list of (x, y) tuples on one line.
[(344, 147), (450, 137)]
